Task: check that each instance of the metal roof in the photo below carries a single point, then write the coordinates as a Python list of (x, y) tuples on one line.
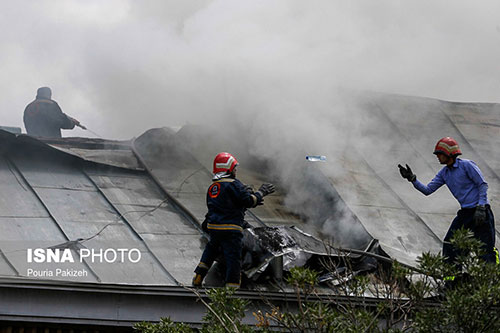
[(412, 126), (55, 198), (358, 195), (149, 193), (51, 198)]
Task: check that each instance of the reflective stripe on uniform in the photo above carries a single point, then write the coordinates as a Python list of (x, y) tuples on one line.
[(224, 180), (255, 199), (224, 227), (232, 285), (203, 265), (497, 259)]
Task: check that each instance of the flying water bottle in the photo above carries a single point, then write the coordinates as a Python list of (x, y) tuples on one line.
[(315, 158)]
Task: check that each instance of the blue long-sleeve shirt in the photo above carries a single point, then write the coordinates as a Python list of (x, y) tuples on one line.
[(465, 181)]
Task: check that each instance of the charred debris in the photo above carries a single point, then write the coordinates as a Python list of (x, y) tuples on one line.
[(274, 245)]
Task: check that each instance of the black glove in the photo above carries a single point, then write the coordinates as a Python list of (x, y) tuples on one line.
[(249, 189), (479, 216), (266, 189), (407, 173)]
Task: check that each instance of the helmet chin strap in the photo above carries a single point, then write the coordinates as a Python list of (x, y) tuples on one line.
[(220, 175)]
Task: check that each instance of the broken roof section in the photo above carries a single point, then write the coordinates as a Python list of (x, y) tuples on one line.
[(358, 194), (149, 193), (152, 201)]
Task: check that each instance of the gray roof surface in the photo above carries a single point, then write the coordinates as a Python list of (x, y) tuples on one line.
[(50, 200), (149, 193), (421, 222), (55, 197)]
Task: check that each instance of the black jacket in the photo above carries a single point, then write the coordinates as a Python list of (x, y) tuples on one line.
[(227, 201), (44, 118)]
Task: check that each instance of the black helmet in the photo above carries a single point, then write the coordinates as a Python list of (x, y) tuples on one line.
[(44, 92)]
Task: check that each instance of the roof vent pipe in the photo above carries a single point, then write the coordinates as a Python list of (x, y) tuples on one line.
[(276, 265)]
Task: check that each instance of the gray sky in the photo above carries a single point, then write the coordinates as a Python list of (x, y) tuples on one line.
[(121, 67)]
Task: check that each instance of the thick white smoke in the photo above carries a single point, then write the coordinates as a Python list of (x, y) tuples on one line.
[(272, 73), (124, 66)]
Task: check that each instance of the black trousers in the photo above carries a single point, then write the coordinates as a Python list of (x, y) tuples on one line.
[(229, 244), (485, 233)]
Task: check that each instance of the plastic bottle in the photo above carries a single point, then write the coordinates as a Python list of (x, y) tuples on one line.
[(315, 158)]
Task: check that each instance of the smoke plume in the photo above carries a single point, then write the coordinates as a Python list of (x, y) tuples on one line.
[(277, 76)]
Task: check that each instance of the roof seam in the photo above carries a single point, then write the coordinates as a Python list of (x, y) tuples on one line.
[(52, 217), (186, 213), (131, 227)]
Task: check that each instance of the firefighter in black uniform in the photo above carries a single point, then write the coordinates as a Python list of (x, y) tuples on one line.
[(227, 200), (44, 118)]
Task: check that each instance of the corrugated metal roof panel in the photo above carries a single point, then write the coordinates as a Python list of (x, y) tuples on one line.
[(49, 199), (381, 211), (176, 169), (80, 211), (154, 219), (356, 196), (170, 237), (178, 253), (77, 206), (118, 158), (5, 269), (194, 202), (111, 269), (425, 121), (152, 215), (16, 199), (479, 123), (20, 234)]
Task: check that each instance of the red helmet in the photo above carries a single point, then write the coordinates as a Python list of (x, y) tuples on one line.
[(224, 162), (447, 146)]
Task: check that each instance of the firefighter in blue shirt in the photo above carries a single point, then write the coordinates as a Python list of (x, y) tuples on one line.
[(466, 182), (227, 200)]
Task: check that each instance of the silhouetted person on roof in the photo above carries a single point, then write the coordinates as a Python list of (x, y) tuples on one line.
[(44, 118)]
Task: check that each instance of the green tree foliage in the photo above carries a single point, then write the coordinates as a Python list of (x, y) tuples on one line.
[(224, 313), (166, 325), (472, 291), (434, 297)]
